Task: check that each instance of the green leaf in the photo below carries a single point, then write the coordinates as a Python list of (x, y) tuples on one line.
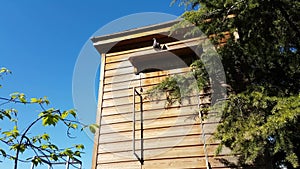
[(73, 113), (45, 137), (50, 119), (36, 161), (79, 146), (67, 152), (73, 126), (22, 97), (4, 70), (54, 156), (64, 114), (34, 100), (77, 153), (3, 153), (46, 100), (44, 146), (14, 95), (12, 133), (53, 147), (93, 128), (22, 147)]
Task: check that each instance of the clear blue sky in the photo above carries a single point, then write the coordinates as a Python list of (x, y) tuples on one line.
[(41, 40)]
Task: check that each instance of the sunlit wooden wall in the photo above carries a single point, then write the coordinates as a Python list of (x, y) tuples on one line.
[(172, 134)]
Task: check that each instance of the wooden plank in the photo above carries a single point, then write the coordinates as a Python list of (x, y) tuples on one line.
[(127, 92), (153, 143), (162, 153), (118, 58), (179, 163), (177, 152), (128, 119), (173, 131), (190, 111), (127, 108), (122, 92), (99, 111), (159, 123), (119, 79), (128, 101), (172, 121), (152, 114), (121, 71), (126, 75), (130, 77), (185, 163), (156, 102), (134, 82), (124, 165), (123, 105), (118, 93), (118, 65)]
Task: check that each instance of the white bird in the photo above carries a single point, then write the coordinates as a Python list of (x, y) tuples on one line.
[(156, 45)]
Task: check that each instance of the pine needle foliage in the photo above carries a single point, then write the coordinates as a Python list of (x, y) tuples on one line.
[(260, 121)]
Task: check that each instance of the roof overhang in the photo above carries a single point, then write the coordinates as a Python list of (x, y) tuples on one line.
[(132, 38)]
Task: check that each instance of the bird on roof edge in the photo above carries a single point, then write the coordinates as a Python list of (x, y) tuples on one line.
[(156, 45)]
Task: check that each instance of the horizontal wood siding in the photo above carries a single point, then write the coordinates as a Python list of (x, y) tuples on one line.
[(183, 163), (172, 134)]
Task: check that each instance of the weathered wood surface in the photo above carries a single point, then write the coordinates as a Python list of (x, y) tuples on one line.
[(132, 77), (171, 152), (172, 134), (174, 131), (155, 142), (182, 163), (99, 111)]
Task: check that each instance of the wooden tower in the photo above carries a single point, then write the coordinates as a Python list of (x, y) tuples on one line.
[(137, 132)]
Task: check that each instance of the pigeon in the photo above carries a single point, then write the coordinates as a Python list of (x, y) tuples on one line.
[(156, 45)]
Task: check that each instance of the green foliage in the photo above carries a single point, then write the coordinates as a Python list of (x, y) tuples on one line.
[(15, 141), (261, 60), (40, 100), (180, 87), (93, 128), (254, 123), (268, 44), (170, 87), (14, 133), (3, 71)]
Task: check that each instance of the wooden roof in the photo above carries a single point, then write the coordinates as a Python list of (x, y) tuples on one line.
[(133, 38)]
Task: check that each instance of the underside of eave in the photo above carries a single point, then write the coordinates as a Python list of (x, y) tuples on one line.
[(134, 38)]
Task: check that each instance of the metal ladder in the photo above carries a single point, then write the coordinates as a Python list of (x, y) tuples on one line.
[(203, 133), (141, 157)]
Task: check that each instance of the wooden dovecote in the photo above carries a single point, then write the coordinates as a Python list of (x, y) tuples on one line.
[(167, 138)]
